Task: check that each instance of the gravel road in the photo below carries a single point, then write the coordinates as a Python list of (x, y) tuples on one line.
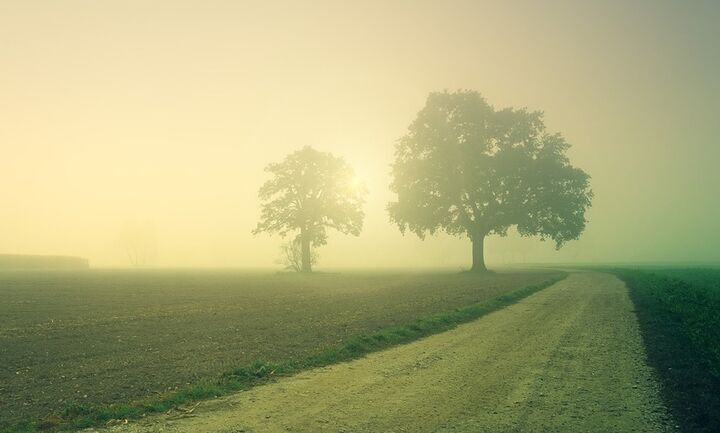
[(566, 359)]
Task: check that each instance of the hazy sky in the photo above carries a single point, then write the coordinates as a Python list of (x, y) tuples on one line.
[(117, 114)]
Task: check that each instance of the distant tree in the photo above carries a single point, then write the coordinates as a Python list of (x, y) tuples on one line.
[(139, 242), (471, 170), (308, 193), (291, 256)]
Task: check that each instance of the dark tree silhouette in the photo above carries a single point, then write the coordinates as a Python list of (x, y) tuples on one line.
[(471, 170), (309, 192)]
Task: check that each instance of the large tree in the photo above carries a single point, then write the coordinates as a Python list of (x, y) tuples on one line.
[(470, 170), (308, 193)]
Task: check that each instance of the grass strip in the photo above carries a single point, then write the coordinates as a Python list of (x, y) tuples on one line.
[(242, 378), (680, 325)]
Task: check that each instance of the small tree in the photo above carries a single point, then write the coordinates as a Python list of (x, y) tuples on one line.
[(139, 242), (308, 193), (291, 256), (471, 170)]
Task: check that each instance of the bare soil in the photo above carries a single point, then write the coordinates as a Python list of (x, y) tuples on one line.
[(101, 336), (566, 359)]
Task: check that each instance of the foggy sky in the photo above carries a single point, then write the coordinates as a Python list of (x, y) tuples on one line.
[(159, 116)]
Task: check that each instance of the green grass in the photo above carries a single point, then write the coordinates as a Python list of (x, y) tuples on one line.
[(79, 416), (679, 315)]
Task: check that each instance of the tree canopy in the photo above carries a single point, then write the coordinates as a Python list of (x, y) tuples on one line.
[(309, 192), (471, 170)]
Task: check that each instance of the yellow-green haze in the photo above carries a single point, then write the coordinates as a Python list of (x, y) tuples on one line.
[(150, 122)]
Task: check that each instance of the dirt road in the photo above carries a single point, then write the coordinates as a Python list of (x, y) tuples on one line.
[(566, 359)]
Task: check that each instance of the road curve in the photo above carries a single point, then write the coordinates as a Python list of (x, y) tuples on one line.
[(566, 359)]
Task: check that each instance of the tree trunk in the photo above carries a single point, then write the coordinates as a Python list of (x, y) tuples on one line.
[(478, 254), (306, 259)]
